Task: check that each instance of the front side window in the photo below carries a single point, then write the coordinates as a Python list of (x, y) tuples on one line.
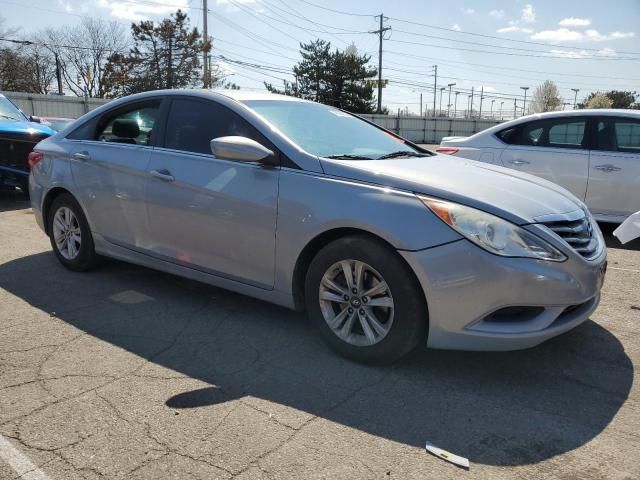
[(132, 126), (326, 131), (617, 135), (627, 135), (192, 124)]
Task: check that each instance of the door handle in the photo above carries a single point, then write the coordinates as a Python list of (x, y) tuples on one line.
[(164, 175), (82, 156), (519, 162), (607, 168)]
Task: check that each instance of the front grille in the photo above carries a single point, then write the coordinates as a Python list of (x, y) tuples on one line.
[(578, 232), (14, 151)]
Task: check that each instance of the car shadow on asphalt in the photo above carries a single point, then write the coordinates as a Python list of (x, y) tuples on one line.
[(510, 408), (12, 199)]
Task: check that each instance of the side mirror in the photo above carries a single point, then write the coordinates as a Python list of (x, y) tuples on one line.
[(34, 119), (242, 149)]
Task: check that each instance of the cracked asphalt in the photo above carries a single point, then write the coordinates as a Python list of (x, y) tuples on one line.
[(125, 372)]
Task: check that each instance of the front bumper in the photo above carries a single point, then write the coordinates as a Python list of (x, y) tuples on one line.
[(464, 285)]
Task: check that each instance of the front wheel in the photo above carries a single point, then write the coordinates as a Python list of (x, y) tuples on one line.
[(365, 300), (70, 234)]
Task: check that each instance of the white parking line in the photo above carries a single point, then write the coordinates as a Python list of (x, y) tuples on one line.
[(19, 462)]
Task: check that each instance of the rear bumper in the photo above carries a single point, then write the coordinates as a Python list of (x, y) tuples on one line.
[(464, 286)]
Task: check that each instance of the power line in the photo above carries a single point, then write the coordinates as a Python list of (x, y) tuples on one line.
[(337, 11)]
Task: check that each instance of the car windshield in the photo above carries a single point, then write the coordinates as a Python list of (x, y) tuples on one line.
[(329, 132), (9, 111)]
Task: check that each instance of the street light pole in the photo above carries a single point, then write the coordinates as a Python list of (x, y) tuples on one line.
[(492, 102), (441, 90), (455, 108), (449, 101), (524, 105), (575, 97), (501, 115)]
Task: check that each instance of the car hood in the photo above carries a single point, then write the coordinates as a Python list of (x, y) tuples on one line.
[(24, 128), (515, 196)]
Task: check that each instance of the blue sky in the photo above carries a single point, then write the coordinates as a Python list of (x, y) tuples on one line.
[(585, 44)]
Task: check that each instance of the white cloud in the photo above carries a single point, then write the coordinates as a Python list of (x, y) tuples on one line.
[(604, 52), (499, 14), (528, 15), (574, 22), (469, 11), (137, 11), (567, 35), (66, 5), (514, 28), (456, 27)]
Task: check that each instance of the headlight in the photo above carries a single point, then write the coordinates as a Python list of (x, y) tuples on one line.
[(492, 233)]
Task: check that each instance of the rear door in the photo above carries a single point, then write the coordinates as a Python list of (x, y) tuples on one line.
[(207, 213), (614, 174), (554, 149), (109, 159)]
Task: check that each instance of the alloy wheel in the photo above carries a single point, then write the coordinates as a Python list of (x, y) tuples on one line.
[(66, 233), (356, 303)]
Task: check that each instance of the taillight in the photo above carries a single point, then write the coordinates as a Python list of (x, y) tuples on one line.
[(448, 150), (34, 158)]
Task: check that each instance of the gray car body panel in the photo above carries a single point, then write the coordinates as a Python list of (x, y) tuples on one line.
[(266, 229)]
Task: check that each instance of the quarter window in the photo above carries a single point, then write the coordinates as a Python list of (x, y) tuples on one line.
[(192, 124), (628, 136)]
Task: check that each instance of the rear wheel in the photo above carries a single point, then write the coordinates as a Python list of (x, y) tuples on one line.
[(70, 235), (365, 300)]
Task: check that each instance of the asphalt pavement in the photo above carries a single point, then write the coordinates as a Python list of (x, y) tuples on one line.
[(125, 372)]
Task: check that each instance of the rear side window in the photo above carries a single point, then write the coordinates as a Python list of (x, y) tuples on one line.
[(553, 133), (192, 124), (133, 125)]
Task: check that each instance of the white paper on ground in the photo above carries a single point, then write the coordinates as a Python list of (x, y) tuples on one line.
[(447, 456), (629, 229)]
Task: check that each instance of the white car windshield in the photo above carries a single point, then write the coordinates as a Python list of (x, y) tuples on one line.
[(9, 111), (329, 132)]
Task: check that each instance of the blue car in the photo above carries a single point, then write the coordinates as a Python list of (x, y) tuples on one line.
[(18, 135)]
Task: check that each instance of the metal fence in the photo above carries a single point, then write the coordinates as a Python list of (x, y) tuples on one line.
[(415, 128), (430, 129), (54, 105)]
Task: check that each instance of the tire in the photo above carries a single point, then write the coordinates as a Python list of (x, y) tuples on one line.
[(400, 311), (83, 257)]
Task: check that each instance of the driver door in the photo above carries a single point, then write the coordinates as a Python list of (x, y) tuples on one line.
[(207, 213)]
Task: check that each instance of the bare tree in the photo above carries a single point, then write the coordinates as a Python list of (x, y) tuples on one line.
[(83, 52), (546, 98)]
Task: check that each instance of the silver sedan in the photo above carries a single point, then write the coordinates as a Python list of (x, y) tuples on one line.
[(386, 245)]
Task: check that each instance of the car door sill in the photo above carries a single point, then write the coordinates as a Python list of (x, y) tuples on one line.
[(170, 261)]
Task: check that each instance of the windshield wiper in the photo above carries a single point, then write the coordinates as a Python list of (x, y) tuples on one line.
[(348, 156), (403, 153)]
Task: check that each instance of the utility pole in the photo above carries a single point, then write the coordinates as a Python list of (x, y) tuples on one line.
[(471, 106), (380, 33), (575, 97), (501, 115), (205, 33), (524, 105), (449, 101), (492, 102), (58, 73), (421, 104), (455, 108), (481, 99), (435, 87), (441, 90), (514, 108)]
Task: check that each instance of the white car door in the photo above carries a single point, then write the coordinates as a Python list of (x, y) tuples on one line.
[(554, 149), (614, 173)]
